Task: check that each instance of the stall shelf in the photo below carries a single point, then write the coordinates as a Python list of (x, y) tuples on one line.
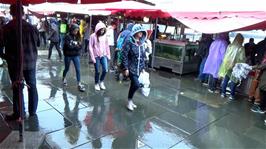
[(176, 55)]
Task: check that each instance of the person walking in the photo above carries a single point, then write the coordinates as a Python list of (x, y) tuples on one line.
[(123, 36), (99, 53), (30, 42), (54, 41), (42, 31), (72, 47), (133, 60), (86, 39)]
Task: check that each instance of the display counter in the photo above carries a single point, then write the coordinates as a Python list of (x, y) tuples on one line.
[(176, 55)]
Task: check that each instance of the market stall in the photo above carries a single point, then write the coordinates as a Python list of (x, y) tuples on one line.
[(179, 56)]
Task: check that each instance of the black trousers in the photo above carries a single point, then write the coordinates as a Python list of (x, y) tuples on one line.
[(56, 44)]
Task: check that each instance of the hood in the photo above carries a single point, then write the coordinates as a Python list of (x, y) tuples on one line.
[(239, 39), (99, 26), (130, 26), (138, 28), (54, 27), (222, 36)]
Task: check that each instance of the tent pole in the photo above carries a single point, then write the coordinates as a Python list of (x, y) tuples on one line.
[(90, 24), (153, 45), (19, 79)]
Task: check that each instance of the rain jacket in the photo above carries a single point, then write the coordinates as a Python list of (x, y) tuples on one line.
[(133, 53), (121, 41), (99, 48), (72, 46), (82, 28), (123, 36), (235, 53), (54, 34), (216, 55)]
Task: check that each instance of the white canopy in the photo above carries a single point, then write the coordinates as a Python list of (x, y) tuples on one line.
[(47, 8)]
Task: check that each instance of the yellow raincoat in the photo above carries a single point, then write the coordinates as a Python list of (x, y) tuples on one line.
[(235, 53), (82, 28)]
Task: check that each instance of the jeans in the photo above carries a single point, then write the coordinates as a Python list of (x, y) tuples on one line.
[(134, 85), (76, 61), (203, 77), (212, 83), (30, 78), (104, 63), (232, 85), (62, 40), (56, 44)]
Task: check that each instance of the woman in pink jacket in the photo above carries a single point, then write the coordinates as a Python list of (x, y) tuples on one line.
[(99, 52)]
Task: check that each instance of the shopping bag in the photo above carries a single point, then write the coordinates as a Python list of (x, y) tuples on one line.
[(144, 80)]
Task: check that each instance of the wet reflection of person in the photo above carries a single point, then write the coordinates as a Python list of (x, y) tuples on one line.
[(127, 134), (53, 77), (95, 126), (72, 132), (129, 139)]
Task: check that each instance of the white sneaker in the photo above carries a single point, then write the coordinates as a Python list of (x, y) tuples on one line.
[(134, 106), (130, 106), (97, 87), (102, 86)]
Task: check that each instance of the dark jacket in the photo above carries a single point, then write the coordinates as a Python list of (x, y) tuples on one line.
[(204, 46), (133, 53), (260, 50), (54, 34), (72, 46), (30, 41)]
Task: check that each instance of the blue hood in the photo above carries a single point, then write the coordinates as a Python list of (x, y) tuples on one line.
[(138, 28), (130, 26)]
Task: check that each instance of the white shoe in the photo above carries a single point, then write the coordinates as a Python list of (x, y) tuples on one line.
[(130, 106), (134, 106), (102, 86), (97, 87)]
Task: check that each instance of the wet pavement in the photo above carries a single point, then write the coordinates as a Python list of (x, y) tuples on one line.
[(179, 113)]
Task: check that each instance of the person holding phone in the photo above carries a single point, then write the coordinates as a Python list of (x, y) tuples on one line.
[(72, 47)]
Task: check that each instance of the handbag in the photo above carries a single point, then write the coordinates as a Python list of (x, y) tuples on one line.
[(144, 80)]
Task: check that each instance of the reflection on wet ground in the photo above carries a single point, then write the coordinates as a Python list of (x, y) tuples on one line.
[(179, 113)]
